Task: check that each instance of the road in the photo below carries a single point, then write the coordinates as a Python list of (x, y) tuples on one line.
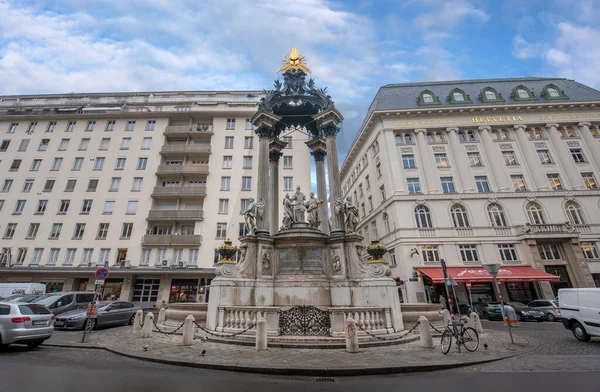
[(560, 357)]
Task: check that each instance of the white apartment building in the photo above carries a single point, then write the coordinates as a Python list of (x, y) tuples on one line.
[(482, 171), (148, 184)]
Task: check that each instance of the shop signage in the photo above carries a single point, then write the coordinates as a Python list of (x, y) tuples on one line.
[(496, 119)]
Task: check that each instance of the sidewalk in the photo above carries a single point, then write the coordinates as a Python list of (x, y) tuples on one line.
[(409, 357)]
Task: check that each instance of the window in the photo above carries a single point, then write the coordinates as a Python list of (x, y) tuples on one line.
[(70, 256), (70, 126), (288, 183), (120, 163), (360, 190), (32, 231), (87, 256), (56, 164), (12, 128), (288, 140), (427, 98), (223, 206), (19, 207), (249, 142), (150, 125), (136, 185), (225, 183), (126, 231), (567, 132), (227, 162), (496, 215), (413, 185), (249, 125), (574, 213), (64, 206), (364, 212), (382, 191), (509, 158), (99, 163), (10, 230), (230, 125), (522, 93), (77, 164), (142, 162), (518, 183), (146, 143), (102, 231), (367, 182), (92, 185), (48, 186), (145, 257), (408, 161), (386, 223), (130, 126), (534, 213), (114, 184), (430, 253), (589, 180), (577, 155), (374, 227), (554, 181), (482, 184), (7, 185), (43, 145), (24, 144), (544, 156), (287, 162), (370, 199), (41, 207), (4, 145), (37, 256), (441, 160), (459, 216), (468, 253), (228, 142), (125, 143), (193, 257), (549, 252), (21, 255), (86, 207), (104, 143), (490, 95), (458, 97), (221, 230), (590, 251), (507, 252), (552, 92), (110, 126), (55, 231), (35, 165), (423, 217), (247, 162), (109, 207), (16, 163), (64, 144), (104, 255), (83, 145), (447, 184), (31, 127), (378, 170), (90, 126), (246, 183), (28, 185)]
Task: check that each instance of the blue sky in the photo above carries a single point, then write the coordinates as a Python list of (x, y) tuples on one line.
[(353, 47)]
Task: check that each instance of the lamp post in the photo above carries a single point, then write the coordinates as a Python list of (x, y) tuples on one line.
[(493, 270)]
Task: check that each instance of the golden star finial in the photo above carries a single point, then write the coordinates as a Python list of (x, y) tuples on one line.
[(294, 61)]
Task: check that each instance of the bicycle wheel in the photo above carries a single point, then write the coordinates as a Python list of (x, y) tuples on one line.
[(470, 339), (446, 341)]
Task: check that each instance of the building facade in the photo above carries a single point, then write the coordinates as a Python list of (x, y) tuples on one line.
[(483, 171), (147, 184)]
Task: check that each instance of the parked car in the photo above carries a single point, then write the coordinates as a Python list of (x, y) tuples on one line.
[(494, 311), (109, 314), (59, 303), (525, 313), (28, 324), (548, 306), (580, 309)]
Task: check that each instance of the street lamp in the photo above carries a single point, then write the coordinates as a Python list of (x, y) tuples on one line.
[(493, 270)]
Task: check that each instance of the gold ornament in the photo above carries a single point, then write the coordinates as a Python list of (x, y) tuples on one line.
[(294, 61)]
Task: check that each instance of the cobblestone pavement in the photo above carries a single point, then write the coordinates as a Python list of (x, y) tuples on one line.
[(405, 357)]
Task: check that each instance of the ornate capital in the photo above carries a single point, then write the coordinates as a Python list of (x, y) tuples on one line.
[(420, 130), (274, 155), (485, 128), (331, 130), (319, 155), (552, 125), (265, 132), (452, 129), (520, 127), (584, 124)]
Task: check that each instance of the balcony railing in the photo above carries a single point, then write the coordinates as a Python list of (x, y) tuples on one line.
[(175, 215), (164, 191), (556, 228), (182, 169), (185, 149), (187, 130), (171, 239)]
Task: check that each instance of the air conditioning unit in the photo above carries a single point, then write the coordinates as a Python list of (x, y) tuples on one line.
[(125, 264), (165, 263), (182, 264)]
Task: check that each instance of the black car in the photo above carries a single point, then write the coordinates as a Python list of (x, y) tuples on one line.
[(524, 312)]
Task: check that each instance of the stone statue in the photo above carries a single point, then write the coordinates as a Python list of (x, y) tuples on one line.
[(255, 209), (350, 212), (298, 207), (243, 250), (266, 261), (288, 212), (312, 207), (336, 263)]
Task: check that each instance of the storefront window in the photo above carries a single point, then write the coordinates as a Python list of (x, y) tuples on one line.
[(112, 289), (482, 292), (54, 287), (561, 272), (184, 291), (520, 291)]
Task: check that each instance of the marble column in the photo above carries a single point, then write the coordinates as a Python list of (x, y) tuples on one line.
[(319, 156), (264, 138), (591, 142), (494, 160), (330, 132), (463, 170), (565, 158), (273, 201), (540, 179), (431, 179)]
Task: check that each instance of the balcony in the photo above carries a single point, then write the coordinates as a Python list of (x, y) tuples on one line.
[(175, 215), (171, 239), (185, 149), (555, 228), (198, 170), (198, 131), (179, 191)]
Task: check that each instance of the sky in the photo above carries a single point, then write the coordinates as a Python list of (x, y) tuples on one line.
[(352, 47)]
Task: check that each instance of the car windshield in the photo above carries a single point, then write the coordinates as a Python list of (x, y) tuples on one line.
[(47, 299), (554, 302), (518, 305), (27, 298), (494, 303)]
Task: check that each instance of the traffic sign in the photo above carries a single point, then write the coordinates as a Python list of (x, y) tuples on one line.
[(451, 281), (468, 284), (99, 282), (101, 274)]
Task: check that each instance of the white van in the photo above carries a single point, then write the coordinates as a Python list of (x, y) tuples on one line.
[(8, 289), (580, 309)]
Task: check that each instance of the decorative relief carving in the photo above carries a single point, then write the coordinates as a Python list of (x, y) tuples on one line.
[(573, 144), (569, 197), (540, 145), (506, 146), (266, 261), (531, 198), (420, 200), (493, 199), (456, 200), (471, 147), (406, 149), (439, 149), (336, 263)]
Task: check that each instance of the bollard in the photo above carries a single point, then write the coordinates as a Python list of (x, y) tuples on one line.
[(162, 316), (476, 322), (466, 321), (261, 335), (137, 324), (148, 324), (188, 330), (425, 333), (351, 337), (447, 317)]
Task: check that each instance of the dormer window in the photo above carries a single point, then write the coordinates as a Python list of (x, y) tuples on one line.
[(552, 92), (490, 95), (458, 97), (522, 93), (427, 98)]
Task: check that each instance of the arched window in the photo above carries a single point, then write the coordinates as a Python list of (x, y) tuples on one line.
[(386, 223), (459, 216), (522, 93), (423, 217), (407, 138), (427, 98), (552, 92), (399, 139), (429, 137), (496, 215), (574, 214), (570, 132), (490, 95), (458, 97), (534, 213), (439, 137), (504, 135), (471, 136), (461, 136)]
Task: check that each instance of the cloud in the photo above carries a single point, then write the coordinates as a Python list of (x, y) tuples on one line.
[(449, 13), (524, 50)]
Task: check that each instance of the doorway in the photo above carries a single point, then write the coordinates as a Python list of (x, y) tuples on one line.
[(80, 284), (561, 272)]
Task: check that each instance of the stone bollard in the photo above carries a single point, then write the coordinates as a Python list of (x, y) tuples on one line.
[(261, 335), (162, 316), (466, 321), (351, 336), (188, 330), (148, 325), (446, 314), (139, 317), (476, 322), (425, 333)]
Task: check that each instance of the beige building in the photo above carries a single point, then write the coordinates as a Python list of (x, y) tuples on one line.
[(148, 184), (482, 171)]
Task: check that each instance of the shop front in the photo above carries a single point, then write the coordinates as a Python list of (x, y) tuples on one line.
[(189, 290), (563, 281)]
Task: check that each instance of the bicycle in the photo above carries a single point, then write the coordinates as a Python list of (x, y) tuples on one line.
[(466, 336)]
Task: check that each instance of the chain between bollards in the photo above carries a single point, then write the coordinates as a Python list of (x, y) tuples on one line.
[(233, 335), (387, 339)]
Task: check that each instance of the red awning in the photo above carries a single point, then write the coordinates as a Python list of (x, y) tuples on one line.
[(477, 274)]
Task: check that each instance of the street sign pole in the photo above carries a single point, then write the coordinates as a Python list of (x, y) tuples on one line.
[(493, 270), (468, 285), (101, 274)]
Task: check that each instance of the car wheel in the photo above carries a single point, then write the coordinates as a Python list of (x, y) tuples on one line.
[(550, 317), (35, 344), (132, 319), (90, 324), (579, 332)]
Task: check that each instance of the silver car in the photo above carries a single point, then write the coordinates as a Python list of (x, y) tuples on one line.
[(22, 323), (109, 314), (548, 306)]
